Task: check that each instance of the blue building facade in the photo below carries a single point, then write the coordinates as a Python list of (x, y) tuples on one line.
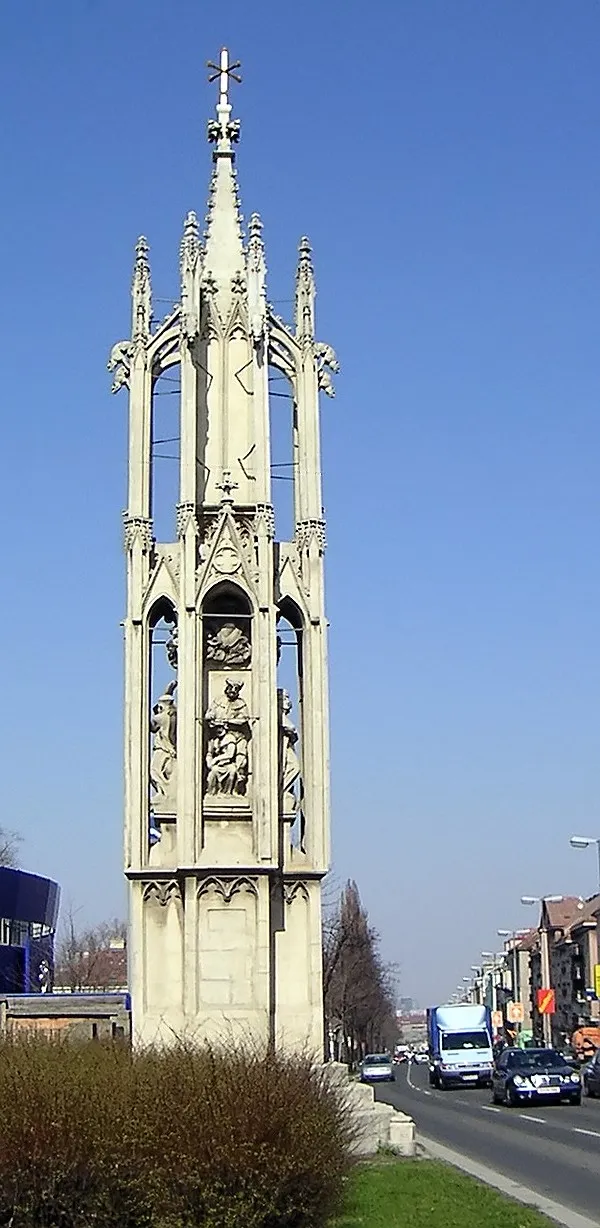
[(28, 915)]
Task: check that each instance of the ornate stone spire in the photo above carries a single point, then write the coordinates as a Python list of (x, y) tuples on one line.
[(189, 257), (224, 249), (190, 244), (141, 293), (257, 271), (305, 293)]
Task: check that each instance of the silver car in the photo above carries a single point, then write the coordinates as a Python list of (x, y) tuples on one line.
[(377, 1068)]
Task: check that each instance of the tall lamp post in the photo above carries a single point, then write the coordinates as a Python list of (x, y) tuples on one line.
[(585, 842), (545, 953), (513, 935), (477, 981), (490, 961)]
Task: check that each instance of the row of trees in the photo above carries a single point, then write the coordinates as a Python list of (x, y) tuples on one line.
[(91, 958), (358, 986)]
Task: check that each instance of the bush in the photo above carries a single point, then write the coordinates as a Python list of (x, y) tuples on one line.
[(93, 1136)]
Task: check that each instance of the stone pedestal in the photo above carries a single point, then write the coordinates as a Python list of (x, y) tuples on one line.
[(378, 1126)]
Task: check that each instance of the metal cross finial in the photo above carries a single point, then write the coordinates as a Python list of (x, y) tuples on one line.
[(227, 484), (224, 71)]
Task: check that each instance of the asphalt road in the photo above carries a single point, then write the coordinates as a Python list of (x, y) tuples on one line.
[(553, 1149)]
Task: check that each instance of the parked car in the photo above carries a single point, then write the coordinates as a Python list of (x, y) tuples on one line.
[(528, 1074), (377, 1068), (591, 1076)]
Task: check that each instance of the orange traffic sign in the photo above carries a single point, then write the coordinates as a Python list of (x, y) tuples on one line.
[(497, 1019), (546, 1001), (515, 1012)]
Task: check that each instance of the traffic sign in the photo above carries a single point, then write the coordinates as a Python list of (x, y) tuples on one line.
[(546, 1001), (515, 1012), (497, 1019), (597, 980)]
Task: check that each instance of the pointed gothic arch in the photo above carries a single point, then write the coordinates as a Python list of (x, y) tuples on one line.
[(165, 438), (290, 680)]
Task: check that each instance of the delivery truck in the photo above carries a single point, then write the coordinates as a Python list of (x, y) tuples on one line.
[(460, 1046)]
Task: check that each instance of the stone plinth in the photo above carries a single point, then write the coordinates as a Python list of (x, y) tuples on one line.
[(377, 1126)]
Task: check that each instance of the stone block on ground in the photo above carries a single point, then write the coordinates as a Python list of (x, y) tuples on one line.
[(402, 1134)]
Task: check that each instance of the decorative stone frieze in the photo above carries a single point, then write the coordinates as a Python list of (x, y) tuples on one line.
[(186, 517), (162, 892), (264, 520), (138, 530), (228, 887), (293, 889), (306, 530)]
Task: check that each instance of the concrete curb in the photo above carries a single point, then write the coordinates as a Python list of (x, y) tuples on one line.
[(505, 1185)]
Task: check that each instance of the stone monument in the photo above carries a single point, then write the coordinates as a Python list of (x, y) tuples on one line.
[(226, 778)]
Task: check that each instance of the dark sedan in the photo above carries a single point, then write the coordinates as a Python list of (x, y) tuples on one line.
[(522, 1075), (591, 1076)]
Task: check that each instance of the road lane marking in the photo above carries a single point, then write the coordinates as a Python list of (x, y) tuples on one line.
[(530, 1117), (490, 1108), (422, 1090), (592, 1133)]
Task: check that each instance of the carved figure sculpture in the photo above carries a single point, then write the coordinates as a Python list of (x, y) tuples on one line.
[(221, 761), (228, 713), (172, 647), (326, 358), (163, 763), (228, 646), (290, 761), (120, 363)]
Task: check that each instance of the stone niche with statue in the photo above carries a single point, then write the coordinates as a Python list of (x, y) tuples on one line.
[(227, 723)]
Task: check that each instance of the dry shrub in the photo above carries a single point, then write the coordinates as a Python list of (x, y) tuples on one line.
[(94, 1135)]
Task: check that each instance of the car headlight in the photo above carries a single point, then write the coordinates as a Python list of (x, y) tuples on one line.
[(575, 1077), (519, 1080)]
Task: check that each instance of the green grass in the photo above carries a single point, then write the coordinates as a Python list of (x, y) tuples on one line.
[(427, 1194)]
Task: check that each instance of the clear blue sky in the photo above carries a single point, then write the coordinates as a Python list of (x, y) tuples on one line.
[(443, 157)]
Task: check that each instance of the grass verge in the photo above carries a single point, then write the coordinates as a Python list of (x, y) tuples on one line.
[(427, 1194)]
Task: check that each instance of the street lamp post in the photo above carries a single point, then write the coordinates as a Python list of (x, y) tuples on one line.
[(490, 962), (513, 935), (477, 981), (545, 954), (584, 842)]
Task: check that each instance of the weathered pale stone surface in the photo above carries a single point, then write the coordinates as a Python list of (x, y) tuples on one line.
[(377, 1125), (402, 1135), (225, 917)]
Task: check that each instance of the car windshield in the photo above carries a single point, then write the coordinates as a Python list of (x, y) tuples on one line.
[(465, 1040), (536, 1058), (377, 1059)]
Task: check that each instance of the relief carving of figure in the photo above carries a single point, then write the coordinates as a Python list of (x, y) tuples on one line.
[(290, 761), (172, 647), (326, 361), (228, 646), (163, 763), (229, 734), (222, 761), (120, 364)]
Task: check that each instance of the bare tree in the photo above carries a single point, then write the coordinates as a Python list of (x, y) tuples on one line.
[(9, 844), (358, 987), (92, 958)]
